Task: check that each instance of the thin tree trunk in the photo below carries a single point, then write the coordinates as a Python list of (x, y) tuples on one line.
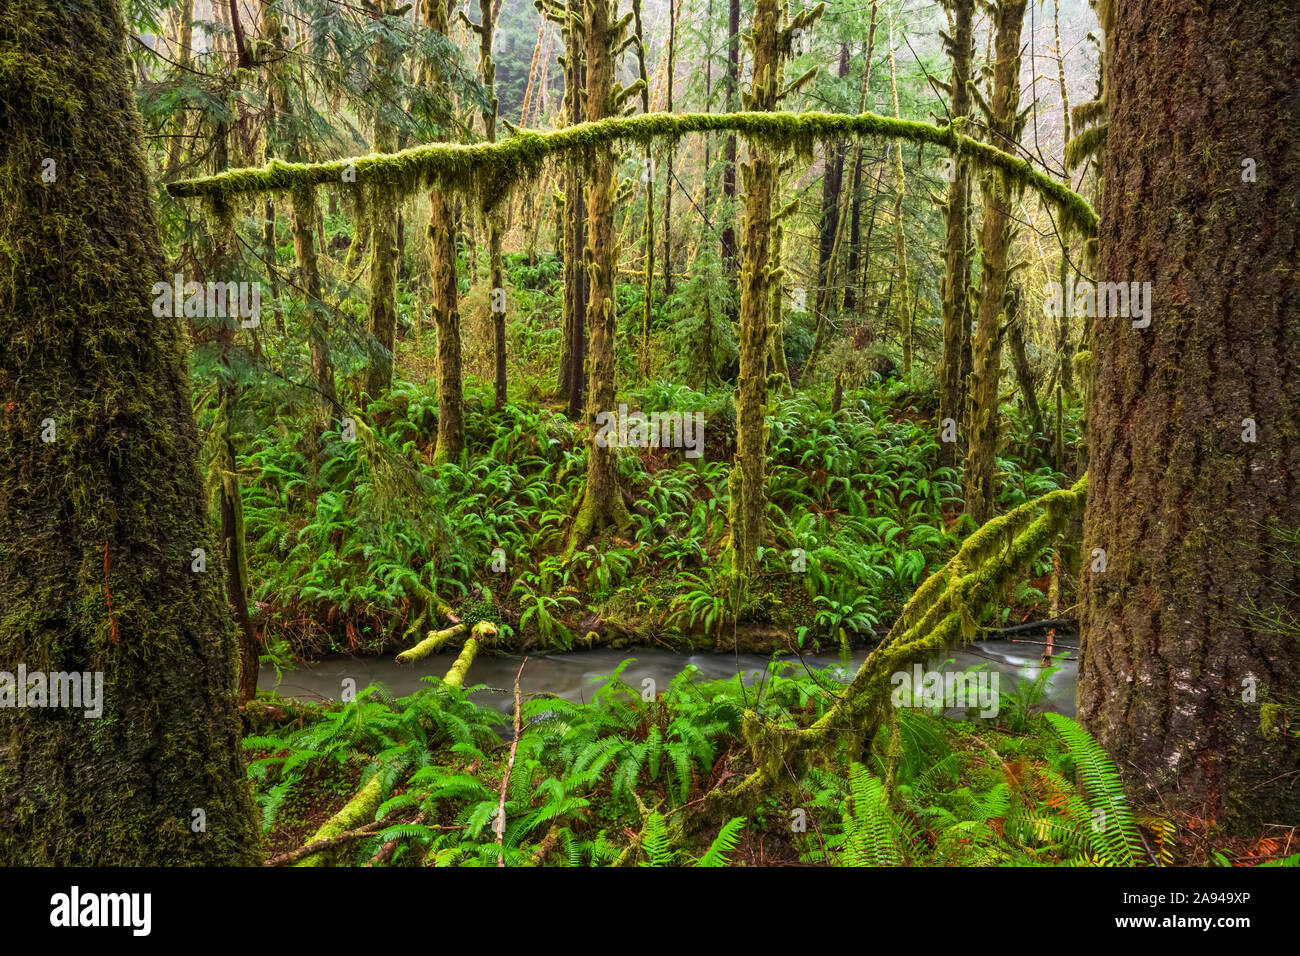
[(602, 502), (647, 293), (900, 238), (996, 236), (956, 282), (669, 156), (728, 239)]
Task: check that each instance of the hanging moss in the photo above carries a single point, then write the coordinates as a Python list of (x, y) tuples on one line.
[(489, 171)]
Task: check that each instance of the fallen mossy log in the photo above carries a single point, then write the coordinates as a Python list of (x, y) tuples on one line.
[(482, 631), (489, 171), (942, 612), (357, 812), (430, 644), (317, 846), (456, 676)]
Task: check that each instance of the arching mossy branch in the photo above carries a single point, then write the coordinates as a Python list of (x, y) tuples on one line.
[(489, 171), (940, 614)]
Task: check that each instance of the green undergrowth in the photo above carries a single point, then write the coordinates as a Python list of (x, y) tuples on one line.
[(620, 779), (357, 543)]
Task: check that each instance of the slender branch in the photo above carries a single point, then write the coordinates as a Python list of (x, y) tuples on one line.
[(505, 779), (292, 856)]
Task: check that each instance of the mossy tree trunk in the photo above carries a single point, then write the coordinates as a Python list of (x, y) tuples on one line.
[(748, 482), (900, 236), (488, 12), (1190, 673), (382, 203), (728, 238), (445, 295), (846, 218), (956, 283), (669, 152), (647, 291), (1064, 351), (572, 374), (831, 212), (602, 501), (303, 204), (997, 233), (98, 526), (180, 122)]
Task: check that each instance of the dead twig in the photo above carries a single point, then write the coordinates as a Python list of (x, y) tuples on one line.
[(505, 778)]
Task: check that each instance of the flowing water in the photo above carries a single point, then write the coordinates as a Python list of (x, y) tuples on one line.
[(576, 675)]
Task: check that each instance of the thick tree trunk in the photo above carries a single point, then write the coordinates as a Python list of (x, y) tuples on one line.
[(446, 318), (100, 524), (1182, 678)]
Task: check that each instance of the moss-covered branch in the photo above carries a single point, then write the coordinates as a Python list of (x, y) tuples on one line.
[(490, 170), (941, 613), (430, 644), (358, 811)]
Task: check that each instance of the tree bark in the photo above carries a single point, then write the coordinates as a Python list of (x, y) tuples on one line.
[(748, 471), (602, 502), (444, 301), (99, 525), (382, 308), (728, 239), (956, 282), (996, 236), (1181, 504)]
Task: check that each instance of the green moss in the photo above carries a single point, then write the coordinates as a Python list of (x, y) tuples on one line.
[(115, 504), (489, 171)]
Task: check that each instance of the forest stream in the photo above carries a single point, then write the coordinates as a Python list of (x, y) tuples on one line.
[(574, 675)]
